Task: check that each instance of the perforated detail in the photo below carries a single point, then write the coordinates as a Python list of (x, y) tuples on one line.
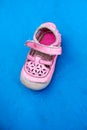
[(36, 69)]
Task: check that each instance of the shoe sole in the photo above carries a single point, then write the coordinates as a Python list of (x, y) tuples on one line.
[(33, 85)]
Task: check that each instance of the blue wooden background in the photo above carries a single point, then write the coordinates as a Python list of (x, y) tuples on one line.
[(63, 105)]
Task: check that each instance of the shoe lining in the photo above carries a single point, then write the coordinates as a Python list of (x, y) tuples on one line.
[(45, 37)]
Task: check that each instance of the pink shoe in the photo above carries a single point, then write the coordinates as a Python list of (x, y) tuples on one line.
[(40, 63)]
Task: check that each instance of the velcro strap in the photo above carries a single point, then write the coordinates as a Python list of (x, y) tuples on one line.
[(51, 50)]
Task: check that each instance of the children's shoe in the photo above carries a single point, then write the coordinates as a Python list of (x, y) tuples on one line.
[(40, 63)]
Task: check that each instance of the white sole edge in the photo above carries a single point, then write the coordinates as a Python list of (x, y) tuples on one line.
[(33, 85)]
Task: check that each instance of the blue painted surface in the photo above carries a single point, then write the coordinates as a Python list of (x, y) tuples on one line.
[(63, 105)]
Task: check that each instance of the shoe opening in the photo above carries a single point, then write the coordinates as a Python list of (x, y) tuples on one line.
[(45, 36)]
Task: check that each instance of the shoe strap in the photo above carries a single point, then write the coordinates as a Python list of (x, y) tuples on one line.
[(41, 61), (51, 50)]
